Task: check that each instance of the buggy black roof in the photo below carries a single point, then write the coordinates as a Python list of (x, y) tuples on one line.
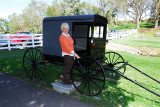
[(95, 18)]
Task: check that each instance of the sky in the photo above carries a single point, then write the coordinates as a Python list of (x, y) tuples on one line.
[(8, 7)]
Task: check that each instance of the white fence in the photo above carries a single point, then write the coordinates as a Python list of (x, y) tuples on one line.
[(20, 41), (121, 33)]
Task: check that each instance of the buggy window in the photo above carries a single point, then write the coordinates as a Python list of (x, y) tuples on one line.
[(98, 32)]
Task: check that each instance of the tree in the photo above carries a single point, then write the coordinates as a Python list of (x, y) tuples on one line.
[(109, 9), (3, 25), (137, 9), (33, 16), (123, 10), (103, 6), (71, 7), (13, 23), (89, 9), (156, 11), (53, 10), (30, 20)]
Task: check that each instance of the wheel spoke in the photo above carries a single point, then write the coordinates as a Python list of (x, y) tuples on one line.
[(35, 55), (84, 87), (32, 73), (79, 70), (30, 70), (109, 58), (38, 58), (93, 87), (89, 88), (113, 57), (30, 55), (116, 60), (28, 62), (118, 63), (28, 58), (98, 72), (98, 79), (39, 74), (40, 66), (40, 71), (82, 83), (95, 84), (35, 73)]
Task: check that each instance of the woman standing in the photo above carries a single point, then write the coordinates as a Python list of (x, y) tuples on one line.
[(68, 53)]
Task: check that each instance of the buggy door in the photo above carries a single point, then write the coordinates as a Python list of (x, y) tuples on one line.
[(98, 40), (80, 34)]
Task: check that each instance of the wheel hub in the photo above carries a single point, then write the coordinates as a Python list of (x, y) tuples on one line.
[(110, 65), (34, 64), (87, 78)]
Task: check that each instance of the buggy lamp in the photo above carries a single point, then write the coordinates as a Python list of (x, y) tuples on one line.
[(93, 44), (106, 42)]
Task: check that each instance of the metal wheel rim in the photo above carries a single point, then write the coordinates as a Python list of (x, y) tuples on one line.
[(88, 81), (110, 63), (34, 64)]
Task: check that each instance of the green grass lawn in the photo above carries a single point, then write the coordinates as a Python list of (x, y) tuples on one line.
[(151, 35), (145, 46), (121, 93), (132, 26), (138, 43)]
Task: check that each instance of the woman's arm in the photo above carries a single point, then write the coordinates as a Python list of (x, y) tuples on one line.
[(77, 56)]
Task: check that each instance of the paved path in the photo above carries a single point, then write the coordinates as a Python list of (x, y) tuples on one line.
[(115, 46), (17, 93)]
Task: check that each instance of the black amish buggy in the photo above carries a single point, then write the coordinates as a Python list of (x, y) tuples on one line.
[(95, 66)]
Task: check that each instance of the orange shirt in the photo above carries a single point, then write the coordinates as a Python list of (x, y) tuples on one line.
[(66, 44)]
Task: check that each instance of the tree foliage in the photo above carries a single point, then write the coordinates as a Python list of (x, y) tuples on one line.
[(31, 18), (3, 25), (71, 7)]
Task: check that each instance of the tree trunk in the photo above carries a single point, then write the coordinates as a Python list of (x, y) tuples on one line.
[(156, 17), (156, 23), (125, 18), (138, 23)]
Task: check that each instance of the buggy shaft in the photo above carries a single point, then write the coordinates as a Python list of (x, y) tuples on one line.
[(144, 73), (137, 83)]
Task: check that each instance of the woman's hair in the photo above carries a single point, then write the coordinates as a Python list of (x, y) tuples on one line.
[(64, 25)]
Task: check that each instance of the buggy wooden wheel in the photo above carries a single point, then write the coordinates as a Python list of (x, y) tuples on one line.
[(88, 76), (34, 64), (110, 61)]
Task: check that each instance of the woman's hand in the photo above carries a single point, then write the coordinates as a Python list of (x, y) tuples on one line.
[(76, 55)]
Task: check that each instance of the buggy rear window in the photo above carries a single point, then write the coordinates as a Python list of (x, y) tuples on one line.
[(98, 32)]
